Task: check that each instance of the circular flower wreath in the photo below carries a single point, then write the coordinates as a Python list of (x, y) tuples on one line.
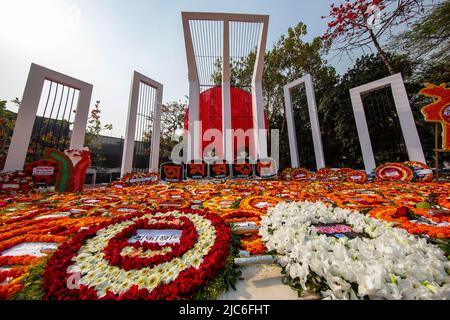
[(356, 176), (21, 181), (301, 174), (106, 266), (286, 174), (394, 172), (380, 263), (259, 204), (150, 178), (426, 174), (224, 204)]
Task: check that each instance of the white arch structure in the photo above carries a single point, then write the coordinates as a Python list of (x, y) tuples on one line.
[(260, 135), (314, 119), (28, 109), (407, 123), (137, 82)]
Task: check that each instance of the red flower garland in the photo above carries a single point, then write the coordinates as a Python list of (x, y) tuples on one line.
[(185, 285), (120, 241)]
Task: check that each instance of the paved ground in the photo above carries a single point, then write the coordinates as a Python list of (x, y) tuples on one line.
[(263, 282)]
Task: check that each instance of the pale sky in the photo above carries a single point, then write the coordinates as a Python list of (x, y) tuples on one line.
[(103, 41)]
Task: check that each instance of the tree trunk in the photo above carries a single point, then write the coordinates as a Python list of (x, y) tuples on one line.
[(381, 53)]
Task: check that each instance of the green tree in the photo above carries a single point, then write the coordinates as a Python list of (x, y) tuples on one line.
[(7, 122), (338, 116), (172, 122), (290, 59), (93, 132), (429, 37)]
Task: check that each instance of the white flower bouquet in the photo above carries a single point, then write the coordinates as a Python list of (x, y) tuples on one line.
[(382, 262)]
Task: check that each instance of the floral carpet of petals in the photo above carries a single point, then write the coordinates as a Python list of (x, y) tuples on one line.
[(57, 218)]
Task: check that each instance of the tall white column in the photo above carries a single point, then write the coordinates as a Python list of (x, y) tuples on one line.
[(314, 120), (293, 146), (81, 118), (226, 96), (407, 122), (363, 131), (193, 139), (156, 135), (128, 149), (193, 148), (259, 123), (26, 116), (130, 134), (313, 117)]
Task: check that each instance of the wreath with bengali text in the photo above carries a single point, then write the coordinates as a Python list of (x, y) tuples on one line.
[(102, 263)]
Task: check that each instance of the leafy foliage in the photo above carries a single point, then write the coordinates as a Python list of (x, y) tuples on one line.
[(93, 131), (290, 59), (172, 123), (429, 37), (226, 279), (7, 120), (33, 289)]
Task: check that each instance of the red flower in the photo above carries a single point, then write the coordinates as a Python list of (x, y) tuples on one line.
[(401, 212)]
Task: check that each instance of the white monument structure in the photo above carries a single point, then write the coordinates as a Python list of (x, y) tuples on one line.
[(28, 109), (314, 119), (144, 118), (197, 25), (407, 123)]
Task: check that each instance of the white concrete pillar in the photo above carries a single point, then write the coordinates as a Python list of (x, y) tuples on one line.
[(194, 145), (313, 117), (407, 123), (81, 118), (130, 134), (26, 116), (156, 135), (315, 125), (259, 123), (293, 146), (363, 131), (227, 134)]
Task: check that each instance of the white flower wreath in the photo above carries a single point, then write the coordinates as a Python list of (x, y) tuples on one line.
[(388, 263)]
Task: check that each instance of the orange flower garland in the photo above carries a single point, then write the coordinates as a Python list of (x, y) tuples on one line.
[(356, 176), (358, 200), (402, 221), (394, 172), (259, 204), (301, 174), (221, 204), (253, 245)]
